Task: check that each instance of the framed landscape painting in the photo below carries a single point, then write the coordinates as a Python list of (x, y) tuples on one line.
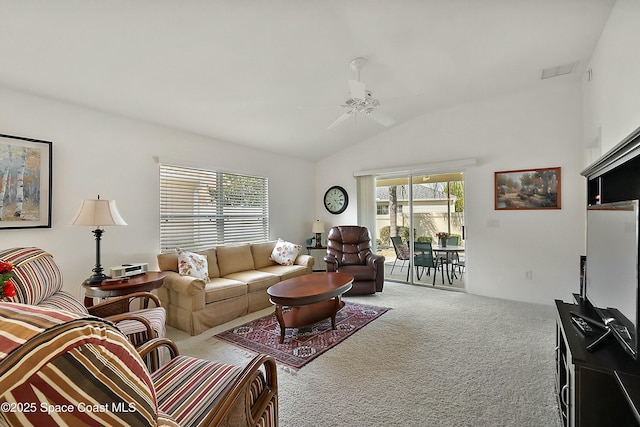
[(25, 182), (528, 189)]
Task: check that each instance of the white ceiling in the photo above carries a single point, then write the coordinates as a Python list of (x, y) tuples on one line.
[(272, 73)]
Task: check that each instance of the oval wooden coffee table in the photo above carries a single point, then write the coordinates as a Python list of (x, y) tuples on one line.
[(310, 299)]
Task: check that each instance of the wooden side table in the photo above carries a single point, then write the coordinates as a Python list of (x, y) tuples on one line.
[(117, 288)]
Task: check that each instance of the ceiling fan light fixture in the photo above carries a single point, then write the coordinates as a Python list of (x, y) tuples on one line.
[(361, 100)]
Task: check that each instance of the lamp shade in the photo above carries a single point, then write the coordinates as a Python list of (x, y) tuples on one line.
[(97, 213), (317, 227)]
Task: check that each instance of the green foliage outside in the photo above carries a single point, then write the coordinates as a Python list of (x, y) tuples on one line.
[(456, 188), (403, 232), (385, 238)]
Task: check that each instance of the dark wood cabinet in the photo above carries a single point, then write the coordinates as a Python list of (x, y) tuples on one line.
[(587, 389), (600, 387), (615, 176)]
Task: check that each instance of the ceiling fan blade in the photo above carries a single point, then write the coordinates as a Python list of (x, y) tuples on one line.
[(340, 119), (381, 118), (356, 88)]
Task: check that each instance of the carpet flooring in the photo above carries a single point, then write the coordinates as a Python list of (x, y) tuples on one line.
[(301, 345), (436, 358)]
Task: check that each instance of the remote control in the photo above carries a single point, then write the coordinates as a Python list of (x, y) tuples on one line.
[(582, 325)]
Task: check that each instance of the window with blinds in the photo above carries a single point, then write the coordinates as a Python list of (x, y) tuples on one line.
[(201, 209)]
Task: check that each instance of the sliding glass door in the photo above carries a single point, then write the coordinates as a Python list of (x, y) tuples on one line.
[(416, 209)]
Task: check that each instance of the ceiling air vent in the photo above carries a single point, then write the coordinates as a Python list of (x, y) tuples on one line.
[(560, 70)]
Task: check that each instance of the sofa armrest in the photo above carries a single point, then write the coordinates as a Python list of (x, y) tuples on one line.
[(305, 260), (186, 285)]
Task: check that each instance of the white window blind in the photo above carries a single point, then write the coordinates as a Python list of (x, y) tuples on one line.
[(201, 209)]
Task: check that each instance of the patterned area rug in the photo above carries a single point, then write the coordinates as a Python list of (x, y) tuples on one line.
[(301, 345)]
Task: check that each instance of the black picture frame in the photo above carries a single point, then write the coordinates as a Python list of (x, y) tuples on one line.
[(26, 171)]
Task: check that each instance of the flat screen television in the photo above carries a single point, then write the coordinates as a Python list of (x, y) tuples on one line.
[(612, 281)]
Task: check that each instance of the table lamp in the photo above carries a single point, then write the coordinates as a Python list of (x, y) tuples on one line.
[(98, 213), (318, 228)]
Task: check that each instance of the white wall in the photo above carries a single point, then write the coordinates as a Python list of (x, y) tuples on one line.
[(98, 153), (612, 97), (537, 128)]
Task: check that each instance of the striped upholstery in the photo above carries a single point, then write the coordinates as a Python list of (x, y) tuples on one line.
[(64, 301), (188, 388), (270, 416), (39, 281), (52, 357), (156, 316), (36, 275), (64, 368)]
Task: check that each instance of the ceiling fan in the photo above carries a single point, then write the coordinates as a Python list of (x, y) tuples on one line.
[(361, 101)]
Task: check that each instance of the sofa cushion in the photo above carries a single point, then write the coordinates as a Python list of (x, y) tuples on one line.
[(232, 259), (193, 264), (137, 332), (189, 388), (255, 280), (262, 254), (212, 259), (35, 274), (64, 301), (220, 288), (71, 358), (168, 261), (285, 253), (285, 272)]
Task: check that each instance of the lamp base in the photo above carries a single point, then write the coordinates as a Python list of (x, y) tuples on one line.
[(98, 275), (96, 279), (318, 240)]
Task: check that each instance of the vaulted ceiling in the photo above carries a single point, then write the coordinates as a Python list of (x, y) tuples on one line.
[(272, 74)]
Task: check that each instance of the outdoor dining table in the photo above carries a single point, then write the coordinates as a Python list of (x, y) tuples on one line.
[(448, 250)]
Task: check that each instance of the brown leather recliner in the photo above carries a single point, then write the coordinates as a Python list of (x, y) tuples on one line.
[(349, 251)]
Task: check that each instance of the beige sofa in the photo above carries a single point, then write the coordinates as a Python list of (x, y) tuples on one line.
[(239, 276)]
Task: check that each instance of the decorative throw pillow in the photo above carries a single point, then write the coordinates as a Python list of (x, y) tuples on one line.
[(192, 264), (285, 253)]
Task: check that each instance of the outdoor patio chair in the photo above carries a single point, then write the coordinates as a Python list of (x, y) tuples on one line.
[(423, 258), (402, 252), (452, 258), (461, 264)]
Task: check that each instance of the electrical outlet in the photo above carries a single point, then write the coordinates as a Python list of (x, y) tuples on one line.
[(528, 275)]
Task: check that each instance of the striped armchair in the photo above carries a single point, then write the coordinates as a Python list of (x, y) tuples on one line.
[(38, 281), (64, 368)]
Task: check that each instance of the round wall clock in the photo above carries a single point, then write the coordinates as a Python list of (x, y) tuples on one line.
[(336, 199)]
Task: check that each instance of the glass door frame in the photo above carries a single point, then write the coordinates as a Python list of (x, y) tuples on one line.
[(410, 177)]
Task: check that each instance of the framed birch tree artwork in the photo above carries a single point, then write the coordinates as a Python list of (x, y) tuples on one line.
[(25, 182)]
